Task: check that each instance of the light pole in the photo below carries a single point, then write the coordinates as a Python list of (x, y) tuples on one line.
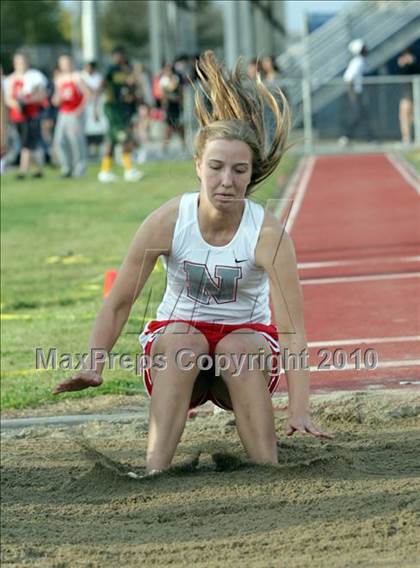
[(90, 42), (155, 35), (231, 35)]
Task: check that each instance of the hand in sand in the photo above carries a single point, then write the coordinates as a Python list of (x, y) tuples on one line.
[(82, 380), (302, 423)]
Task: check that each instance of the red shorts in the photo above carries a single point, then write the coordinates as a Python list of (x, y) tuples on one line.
[(213, 332)]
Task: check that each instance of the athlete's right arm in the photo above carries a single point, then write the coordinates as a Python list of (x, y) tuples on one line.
[(9, 100), (56, 98), (153, 238)]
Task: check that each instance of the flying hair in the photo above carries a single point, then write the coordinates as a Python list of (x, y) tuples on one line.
[(229, 105)]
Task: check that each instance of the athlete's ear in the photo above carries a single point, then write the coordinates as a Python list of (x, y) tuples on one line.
[(197, 161)]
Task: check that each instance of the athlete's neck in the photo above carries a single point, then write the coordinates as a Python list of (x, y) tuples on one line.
[(213, 221)]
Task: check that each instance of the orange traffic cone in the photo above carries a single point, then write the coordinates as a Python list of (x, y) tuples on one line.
[(110, 276)]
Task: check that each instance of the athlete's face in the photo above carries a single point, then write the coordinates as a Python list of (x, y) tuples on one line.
[(20, 63), (65, 64), (225, 170)]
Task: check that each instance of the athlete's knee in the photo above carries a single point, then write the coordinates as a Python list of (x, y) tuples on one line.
[(240, 353), (244, 341), (182, 344)]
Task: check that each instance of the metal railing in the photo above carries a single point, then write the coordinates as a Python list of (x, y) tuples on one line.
[(380, 99), (322, 127), (323, 55)]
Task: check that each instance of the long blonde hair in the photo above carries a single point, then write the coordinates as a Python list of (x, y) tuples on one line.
[(229, 105)]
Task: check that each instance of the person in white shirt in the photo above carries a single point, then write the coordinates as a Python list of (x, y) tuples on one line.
[(224, 255), (95, 121), (353, 75), (356, 117)]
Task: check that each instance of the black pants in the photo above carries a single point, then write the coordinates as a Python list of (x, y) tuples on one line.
[(358, 122), (29, 133)]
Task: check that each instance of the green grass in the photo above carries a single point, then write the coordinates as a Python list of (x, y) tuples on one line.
[(58, 239), (413, 156)]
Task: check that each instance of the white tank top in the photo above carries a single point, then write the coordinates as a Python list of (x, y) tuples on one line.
[(216, 284)]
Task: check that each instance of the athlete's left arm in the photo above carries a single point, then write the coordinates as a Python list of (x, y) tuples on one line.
[(275, 253)]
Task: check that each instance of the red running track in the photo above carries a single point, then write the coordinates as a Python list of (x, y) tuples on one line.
[(355, 222)]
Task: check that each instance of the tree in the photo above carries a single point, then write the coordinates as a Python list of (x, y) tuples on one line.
[(125, 22), (209, 26), (29, 23)]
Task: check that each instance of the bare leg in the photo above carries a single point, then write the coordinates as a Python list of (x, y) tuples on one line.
[(36, 160), (127, 147), (171, 395), (143, 124), (168, 136), (406, 119), (25, 160), (249, 395), (109, 149)]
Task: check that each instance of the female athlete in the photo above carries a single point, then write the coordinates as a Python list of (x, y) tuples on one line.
[(223, 255)]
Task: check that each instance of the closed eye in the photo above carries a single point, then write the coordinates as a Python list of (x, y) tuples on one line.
[(237, 171)]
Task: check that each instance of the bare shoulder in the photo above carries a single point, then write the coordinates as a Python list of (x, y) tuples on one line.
[(273, 232), (166, 215), (158, 227)]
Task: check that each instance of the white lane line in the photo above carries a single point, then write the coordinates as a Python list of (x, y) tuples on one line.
[(380, 365), (338, 342), (355, 262), (346, 279), (286, 199), (409, 175), (300, 193)]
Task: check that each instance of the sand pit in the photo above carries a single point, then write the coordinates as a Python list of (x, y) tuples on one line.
[(350, 501)]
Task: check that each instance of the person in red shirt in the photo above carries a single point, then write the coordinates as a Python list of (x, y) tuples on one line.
[(70, 95), (25, 97)]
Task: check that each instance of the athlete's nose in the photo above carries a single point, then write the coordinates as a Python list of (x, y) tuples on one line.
[(226, 178)]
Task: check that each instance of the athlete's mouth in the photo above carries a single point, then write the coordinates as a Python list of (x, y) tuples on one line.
[(225, 195)]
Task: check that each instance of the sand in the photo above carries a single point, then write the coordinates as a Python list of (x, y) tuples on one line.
[(350, 501)]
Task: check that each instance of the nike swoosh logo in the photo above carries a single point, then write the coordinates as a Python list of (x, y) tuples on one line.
[(244, 260)]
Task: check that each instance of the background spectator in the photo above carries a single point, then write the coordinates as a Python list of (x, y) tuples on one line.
[(253, 68), (408, 65), (70, 96), (25, 96), (270, 73), (271, 79), (356, 112), (48, 118), (120, 106), (145, 103), (95, 121), (172, 100)]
